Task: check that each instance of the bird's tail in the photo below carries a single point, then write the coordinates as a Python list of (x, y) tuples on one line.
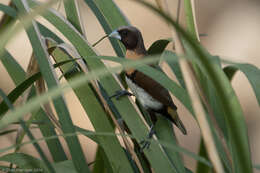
[(176, 120)]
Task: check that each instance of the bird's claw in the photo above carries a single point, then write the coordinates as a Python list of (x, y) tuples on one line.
[(120, 93), (151, 132), (146, 143)]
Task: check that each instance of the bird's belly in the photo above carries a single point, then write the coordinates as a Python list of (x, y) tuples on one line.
[(145, 99)]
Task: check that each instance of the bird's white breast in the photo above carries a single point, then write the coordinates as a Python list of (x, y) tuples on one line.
[(145, 99)]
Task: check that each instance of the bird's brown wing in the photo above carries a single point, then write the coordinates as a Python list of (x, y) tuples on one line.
[(155, 89)]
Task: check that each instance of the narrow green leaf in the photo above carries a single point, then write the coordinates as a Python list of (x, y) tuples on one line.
[(13, 68), (73, 14), (8, 17), (8, 10), (88, 134), (252, 73), (174, 64), (100, 165), (47, 33), (65, 167), (164, 132), (99, 162), (190, 19), (13, 95), (201, 168), (158, 46), (6, 100), (109, 102), (230, 72)]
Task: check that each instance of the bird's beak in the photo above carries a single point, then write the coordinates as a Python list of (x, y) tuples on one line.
[(115, 34)]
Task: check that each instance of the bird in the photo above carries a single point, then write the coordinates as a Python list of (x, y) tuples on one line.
[(152, 95)]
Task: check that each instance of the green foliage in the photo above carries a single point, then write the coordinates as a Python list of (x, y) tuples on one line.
[(158, 47), (24, 162), (93, 82)]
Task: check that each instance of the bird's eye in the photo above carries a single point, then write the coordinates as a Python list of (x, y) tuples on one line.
[(124, 33)]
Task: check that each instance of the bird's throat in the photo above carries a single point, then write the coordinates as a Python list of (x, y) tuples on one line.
[(133, 55)]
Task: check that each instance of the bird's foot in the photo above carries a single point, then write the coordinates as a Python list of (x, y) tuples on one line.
[(145, 144), (121, 93)]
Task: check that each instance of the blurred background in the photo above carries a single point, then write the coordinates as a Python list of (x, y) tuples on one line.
[(232, 32)]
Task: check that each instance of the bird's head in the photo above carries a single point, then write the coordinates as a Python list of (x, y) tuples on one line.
[(130, 36)]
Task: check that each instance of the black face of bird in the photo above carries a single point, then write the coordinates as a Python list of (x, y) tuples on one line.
[(128, 35)]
